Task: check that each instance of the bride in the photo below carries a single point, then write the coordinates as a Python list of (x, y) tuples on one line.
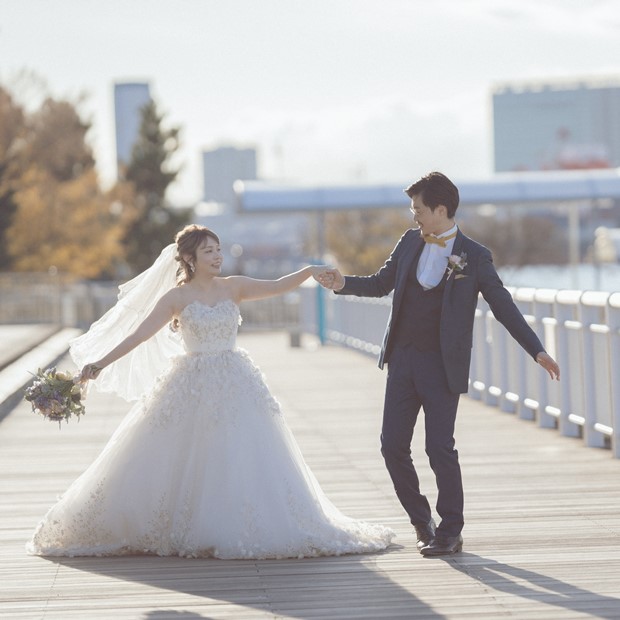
[(204, 464)]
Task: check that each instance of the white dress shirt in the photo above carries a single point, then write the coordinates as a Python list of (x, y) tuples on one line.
[(434, 260)]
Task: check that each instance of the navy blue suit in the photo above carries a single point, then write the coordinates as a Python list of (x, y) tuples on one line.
[(432, 378)]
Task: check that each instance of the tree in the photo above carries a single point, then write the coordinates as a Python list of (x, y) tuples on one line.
[(8, 208), (12, 130), (153, 222), (68, 226), (362, 240), (52, 210), (524, 240), (57, 141)]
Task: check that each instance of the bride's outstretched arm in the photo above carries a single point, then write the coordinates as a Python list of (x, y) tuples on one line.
[(161, 314), (251, 288)]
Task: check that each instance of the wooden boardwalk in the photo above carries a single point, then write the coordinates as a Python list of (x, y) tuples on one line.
[(542, 534)]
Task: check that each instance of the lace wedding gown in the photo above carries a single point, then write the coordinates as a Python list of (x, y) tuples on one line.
[(204, 466)]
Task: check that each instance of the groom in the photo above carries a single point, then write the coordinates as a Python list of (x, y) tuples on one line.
[(436, 273)]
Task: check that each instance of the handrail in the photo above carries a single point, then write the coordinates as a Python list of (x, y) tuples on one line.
[(580, 329)]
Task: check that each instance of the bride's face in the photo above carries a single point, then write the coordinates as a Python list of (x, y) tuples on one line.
[(209, 257)]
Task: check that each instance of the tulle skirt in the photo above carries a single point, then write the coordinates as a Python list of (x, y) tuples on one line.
[(204, 466)]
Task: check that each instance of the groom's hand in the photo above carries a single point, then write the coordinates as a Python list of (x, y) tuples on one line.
[(331, 279), (549, 364)]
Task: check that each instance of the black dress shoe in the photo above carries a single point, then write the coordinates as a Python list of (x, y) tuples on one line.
[(443, 545), (425, 533)]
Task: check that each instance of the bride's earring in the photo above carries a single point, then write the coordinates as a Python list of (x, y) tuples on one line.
[(191, 268)]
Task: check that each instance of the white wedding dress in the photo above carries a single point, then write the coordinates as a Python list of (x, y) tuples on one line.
[(203, 466)]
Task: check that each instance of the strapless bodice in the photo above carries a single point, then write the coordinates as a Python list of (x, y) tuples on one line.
[(209, 329)]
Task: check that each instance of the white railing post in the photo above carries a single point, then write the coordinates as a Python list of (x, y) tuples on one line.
[(546, 329), (307, 309), (569, 358), (527, 388), (595, 368), (477, 375), (495, 357), (613, 321)]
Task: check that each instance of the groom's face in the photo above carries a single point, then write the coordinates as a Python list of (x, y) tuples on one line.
[(430, 222)]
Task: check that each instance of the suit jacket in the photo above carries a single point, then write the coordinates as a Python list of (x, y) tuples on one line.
[(459, 303)]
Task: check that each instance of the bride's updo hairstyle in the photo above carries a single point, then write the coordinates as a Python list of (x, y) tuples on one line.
[(188, 241)]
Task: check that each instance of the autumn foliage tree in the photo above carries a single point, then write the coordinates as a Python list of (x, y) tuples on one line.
[(521, 240), (57, 141), (362, 240), (67, 226), (55, 212)]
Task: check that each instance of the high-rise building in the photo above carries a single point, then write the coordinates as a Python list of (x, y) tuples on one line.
[(129, 99), (222, 167), (263, 245), (556, 126)]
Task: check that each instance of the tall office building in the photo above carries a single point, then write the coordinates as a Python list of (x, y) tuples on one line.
[(263, 245), (129, 99), (556, 126), (221, 168)]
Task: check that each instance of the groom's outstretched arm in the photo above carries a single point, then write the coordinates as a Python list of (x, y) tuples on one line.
[(506, 312), (362, 286), (379, 284)]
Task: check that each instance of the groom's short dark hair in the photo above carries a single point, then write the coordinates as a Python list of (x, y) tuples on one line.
[(436, 189)]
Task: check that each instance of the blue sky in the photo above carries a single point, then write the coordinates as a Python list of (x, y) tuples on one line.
[(328, 91)]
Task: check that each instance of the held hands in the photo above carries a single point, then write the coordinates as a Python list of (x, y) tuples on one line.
[(549, 364), (329, 278)]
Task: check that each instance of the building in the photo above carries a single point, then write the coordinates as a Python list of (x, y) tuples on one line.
[(260, 244), (129, 99), (223, 166), (557, 126)]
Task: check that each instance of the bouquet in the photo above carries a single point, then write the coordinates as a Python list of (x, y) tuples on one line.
[(56, 395)]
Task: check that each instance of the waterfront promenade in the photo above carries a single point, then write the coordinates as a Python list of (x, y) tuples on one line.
[(542, 534)]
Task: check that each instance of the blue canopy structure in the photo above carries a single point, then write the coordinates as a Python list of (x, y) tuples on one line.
[(515, 188)]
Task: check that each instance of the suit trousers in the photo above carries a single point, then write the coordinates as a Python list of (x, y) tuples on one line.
[(417, 379)]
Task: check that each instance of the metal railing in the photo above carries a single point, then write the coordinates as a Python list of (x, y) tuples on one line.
[(580, 329), (42, 299)]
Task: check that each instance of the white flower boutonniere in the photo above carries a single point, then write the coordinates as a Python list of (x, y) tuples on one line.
[(456, 263)]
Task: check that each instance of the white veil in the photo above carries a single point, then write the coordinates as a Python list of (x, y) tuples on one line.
[(135, 373)]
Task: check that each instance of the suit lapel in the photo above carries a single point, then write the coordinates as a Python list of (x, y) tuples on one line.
[(458, 243), (456, 250), (403, 269)]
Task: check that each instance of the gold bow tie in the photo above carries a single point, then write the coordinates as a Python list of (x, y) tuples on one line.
[(440, 241)]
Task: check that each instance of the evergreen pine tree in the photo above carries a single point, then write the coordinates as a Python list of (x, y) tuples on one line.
[(12, 129), (8, 208), (154, 223)]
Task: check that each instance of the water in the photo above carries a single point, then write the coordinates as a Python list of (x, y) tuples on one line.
[(605, 277)]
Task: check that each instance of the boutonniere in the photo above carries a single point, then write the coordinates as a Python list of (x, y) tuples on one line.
[(456, 263)]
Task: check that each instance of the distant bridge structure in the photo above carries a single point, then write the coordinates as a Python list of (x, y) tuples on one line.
[(580, 328), (569, 189), (502, 188)]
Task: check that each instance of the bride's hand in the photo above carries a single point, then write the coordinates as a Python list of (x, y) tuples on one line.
[(90, 371), (325, 279), (318, 271), (331, 279)]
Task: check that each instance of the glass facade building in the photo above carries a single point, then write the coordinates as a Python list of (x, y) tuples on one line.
[(129, 99), (556, 126)]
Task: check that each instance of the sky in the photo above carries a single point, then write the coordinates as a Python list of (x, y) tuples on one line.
[(327, 91)]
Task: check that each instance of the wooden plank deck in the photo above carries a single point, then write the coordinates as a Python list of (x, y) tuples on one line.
[(542, 534)]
